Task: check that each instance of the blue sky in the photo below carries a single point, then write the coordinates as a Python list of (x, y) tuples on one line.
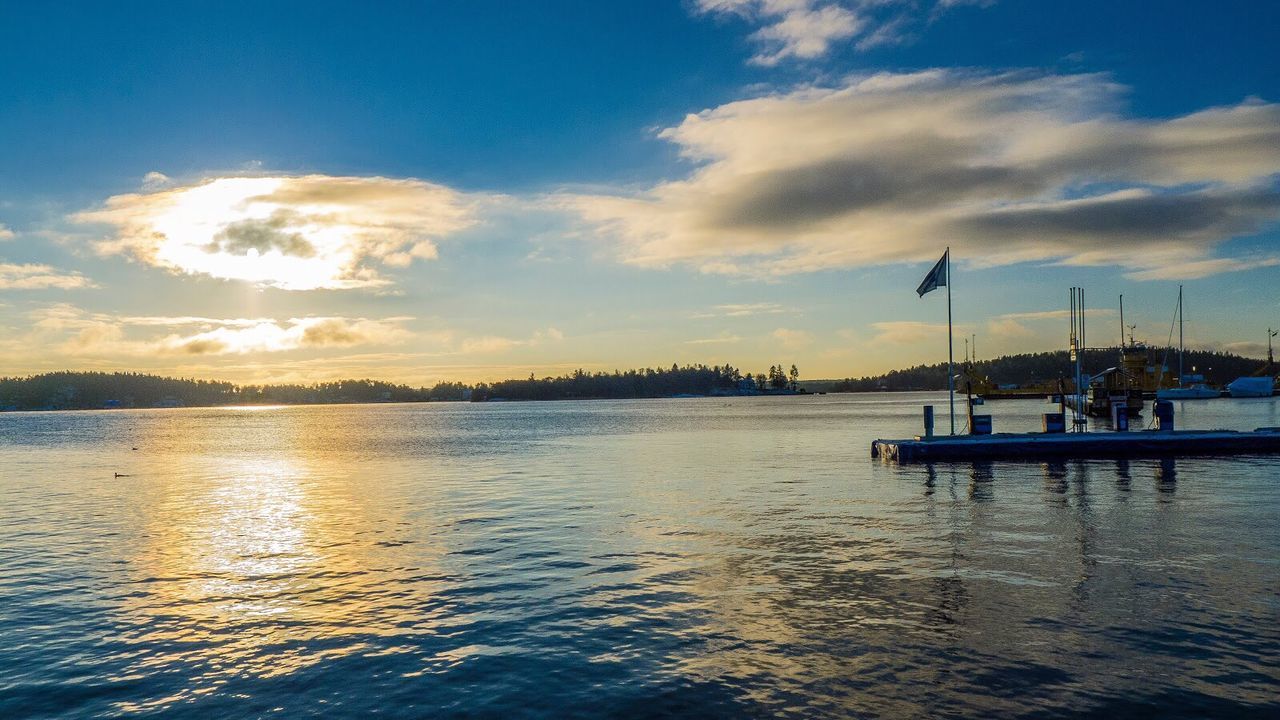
[(472, 190)]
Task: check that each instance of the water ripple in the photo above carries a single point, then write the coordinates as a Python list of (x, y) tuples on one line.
[(720, 559)]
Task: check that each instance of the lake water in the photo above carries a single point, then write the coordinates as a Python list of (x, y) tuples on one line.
[(703, 557)]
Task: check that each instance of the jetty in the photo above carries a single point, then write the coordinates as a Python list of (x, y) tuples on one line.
[(1079, 445)]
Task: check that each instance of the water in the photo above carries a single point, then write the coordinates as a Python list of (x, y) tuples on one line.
[(708, 557)]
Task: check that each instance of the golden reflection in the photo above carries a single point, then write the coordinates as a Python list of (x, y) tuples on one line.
[(264, 564)]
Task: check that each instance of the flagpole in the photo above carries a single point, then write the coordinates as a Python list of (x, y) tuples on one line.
[(951, 373)]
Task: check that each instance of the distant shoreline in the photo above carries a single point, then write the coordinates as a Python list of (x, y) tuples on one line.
[(490, 401)]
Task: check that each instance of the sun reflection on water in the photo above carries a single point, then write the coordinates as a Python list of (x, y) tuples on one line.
[(250, 572)]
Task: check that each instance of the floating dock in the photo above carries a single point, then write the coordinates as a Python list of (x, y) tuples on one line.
[(1081, 445)]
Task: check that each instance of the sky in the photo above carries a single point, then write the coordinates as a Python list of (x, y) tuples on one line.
[(429, 191)]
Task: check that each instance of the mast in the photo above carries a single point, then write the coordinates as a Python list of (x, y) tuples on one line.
[(1077, 342), (1180, 344), (1122, 322)]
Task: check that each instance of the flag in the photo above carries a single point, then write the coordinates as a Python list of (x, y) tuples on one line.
[(936, 277)]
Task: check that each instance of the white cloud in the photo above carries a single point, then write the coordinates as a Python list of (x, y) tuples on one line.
[(741, 310), (1194, 269), (1245, 348), (1005, 168), (294, 233), (489, 344), (40, 277), (723, 338), (912, 332), (74, 331), (6, 233), (155, 181), (1008, 328), (1053, 314), (486, 344), (238, 338), (1013, 325), (792, 338), (809, 29), (64, 329)]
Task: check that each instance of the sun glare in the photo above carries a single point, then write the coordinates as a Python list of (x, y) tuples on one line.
[(293, 233)]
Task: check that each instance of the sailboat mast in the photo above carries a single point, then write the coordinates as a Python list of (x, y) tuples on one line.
[(1181, 347), (1122, 322)]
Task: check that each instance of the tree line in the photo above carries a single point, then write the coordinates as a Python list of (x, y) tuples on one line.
[(1218, 368), (88, 390), (84, 390)]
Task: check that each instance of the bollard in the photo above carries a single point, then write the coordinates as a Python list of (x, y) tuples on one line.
[(928, 421)]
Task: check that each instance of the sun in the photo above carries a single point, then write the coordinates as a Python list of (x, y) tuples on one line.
[(294, 233)]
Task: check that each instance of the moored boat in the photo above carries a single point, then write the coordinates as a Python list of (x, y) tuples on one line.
[(1194, 391), (1251, 387)]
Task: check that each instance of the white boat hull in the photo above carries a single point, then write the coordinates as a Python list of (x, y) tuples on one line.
[(1194, 392), (1251, 387)]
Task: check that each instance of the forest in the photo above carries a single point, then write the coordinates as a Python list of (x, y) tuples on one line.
[(1219, 368), (91, 390)]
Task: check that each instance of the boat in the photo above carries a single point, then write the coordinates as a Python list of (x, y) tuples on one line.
[(1261, 384), (1189, 387), (1193, 391), (1251, 387), (1113, 386)]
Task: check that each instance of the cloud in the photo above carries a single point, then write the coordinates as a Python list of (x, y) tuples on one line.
[(65, 329), (742, 310), (1194, 269), (273, 336), (486, 344), (76, 332), (723, 338), (809, 29), (155, 180), (40, 277), (1012, 325), (1005, 168), (6, 233), (1008, 328), (1244, 347), (1053, 314), (912, 332), (489, 344), (792, 338), (290, 232)]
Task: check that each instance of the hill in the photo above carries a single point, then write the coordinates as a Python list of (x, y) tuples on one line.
[(1219, 368)]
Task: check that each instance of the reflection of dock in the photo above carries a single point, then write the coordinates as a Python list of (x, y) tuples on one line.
[(1017, 446)]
